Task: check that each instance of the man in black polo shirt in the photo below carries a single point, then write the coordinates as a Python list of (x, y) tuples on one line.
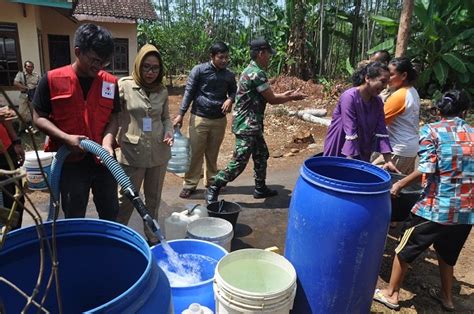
[(211, 87)]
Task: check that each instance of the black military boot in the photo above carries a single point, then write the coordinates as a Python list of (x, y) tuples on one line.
[(212, 193), (262, 190)]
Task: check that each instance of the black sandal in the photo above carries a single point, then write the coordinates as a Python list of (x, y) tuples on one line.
[(186, 193)]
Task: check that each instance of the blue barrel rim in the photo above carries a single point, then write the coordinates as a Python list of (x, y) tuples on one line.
[(201, 283), (21, 234), (346, 186)]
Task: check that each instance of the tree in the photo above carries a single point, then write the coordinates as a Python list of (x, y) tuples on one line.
[(298, 65), (355, 31), (404, 28)]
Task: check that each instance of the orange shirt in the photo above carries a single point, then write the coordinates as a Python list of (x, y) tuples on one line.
[(395, 105)]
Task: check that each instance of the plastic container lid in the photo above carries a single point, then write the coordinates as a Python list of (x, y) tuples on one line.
[(196, 308)]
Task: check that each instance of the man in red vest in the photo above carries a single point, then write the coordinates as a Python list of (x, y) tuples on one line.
[(76, 102)]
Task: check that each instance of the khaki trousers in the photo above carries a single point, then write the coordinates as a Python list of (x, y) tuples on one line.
[(152, 179), (205, 137)]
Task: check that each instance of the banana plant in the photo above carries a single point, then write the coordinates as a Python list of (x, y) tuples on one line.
[(442, 38)]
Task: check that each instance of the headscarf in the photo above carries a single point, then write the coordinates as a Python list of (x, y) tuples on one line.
[(137, 69)]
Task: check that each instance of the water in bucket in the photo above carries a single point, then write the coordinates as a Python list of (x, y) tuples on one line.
[(188, 269), (212, 229), (197, 287), (260, 276), (254, 281)]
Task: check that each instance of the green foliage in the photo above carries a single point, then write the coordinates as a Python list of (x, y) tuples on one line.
[(349, 67), (442, 34), (388, 45), (442, 41)]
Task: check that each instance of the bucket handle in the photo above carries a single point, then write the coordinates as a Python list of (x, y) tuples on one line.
[(262, 307), (191, 210)]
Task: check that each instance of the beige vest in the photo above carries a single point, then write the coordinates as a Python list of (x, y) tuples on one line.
[(137, 147)]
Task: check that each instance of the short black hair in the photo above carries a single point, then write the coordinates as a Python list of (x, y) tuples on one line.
[(385, 56), (404, 65), (254, 54), (453, 102), (28, 61), (96, 38), (371, 70), (218, 47)]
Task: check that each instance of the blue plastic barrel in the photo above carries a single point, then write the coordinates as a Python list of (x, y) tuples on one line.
[(201, 292), (337, 225), (104, 267)]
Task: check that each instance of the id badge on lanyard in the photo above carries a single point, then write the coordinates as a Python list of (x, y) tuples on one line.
[(147, 124)]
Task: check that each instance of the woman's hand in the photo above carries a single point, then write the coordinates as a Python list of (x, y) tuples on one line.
[(396, 188), (168, 139), (390, 166)]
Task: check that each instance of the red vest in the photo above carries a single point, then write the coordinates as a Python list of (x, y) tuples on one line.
[(4, 138), (73, 114)]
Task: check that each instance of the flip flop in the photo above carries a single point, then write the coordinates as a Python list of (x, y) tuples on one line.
[(186, 193), (435, 294), (379, 297)]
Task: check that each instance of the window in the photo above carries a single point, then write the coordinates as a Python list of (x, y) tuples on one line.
[(59, 52), (10, 58), (119, 64)]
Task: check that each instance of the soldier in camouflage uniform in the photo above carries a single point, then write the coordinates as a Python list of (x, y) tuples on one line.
[(253, 93)]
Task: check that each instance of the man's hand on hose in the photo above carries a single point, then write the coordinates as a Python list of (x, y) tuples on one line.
[(74, 142)]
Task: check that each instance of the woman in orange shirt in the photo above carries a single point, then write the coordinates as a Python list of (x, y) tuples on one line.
[(402, 112)]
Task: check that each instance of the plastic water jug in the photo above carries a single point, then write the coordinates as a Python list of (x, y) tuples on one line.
[(196, 308), (176, 224), (180, 153)]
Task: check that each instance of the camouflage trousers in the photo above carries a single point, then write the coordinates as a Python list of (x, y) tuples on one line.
[(245, 146)]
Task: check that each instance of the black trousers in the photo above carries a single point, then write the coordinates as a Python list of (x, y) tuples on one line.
[(78, 178)]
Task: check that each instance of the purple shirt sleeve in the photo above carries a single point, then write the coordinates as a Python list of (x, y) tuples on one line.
[(349, 124)]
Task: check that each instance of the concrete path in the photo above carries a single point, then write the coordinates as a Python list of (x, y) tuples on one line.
[(261, 223)]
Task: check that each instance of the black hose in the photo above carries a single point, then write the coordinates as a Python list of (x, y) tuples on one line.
[(115, 169)]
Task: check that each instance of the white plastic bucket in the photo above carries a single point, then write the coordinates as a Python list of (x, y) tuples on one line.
[(34, 177), (254, 281), (215, 230)]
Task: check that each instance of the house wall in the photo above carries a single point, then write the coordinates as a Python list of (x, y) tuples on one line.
[(50, 22), (54, 23), (27, 35)]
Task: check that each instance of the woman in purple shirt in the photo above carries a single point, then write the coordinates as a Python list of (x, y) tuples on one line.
[(358, 123)]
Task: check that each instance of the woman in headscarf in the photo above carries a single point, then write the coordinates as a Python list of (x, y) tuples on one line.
[(145, 133)]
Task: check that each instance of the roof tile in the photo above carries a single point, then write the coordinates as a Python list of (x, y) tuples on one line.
[(128, 9)]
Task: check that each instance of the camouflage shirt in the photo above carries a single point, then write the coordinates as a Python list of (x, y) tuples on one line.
[(250, 105)]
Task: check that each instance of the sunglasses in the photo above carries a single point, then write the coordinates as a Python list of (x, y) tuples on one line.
[(148, 67)]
